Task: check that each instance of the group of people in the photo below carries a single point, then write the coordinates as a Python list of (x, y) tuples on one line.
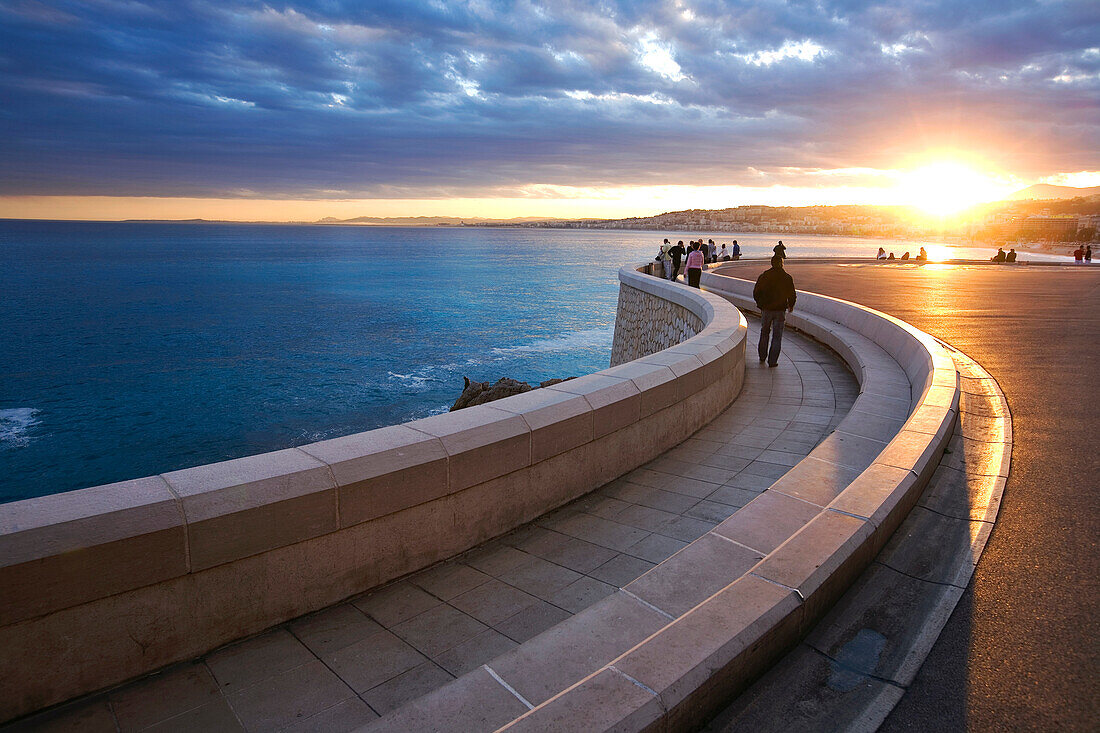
[(922, 256), (1082, 255), (673, 255), (1002, 257)]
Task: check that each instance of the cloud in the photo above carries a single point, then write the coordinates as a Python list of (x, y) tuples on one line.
[(204, 98)]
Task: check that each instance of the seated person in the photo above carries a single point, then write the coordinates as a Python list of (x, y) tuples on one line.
[(881, 254), (1000, 256), (1011, 256), (723, 254), (905, 256), (891, 257), (922, 255)]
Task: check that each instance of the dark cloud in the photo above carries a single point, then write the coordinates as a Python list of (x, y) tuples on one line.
[(424, 96)]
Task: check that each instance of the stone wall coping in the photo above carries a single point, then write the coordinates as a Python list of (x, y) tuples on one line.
[(736, 598), (167, 535)]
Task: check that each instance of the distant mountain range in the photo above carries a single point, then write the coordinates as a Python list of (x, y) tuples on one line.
[(1046, 192)]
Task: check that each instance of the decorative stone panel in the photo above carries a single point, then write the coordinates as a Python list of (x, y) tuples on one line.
[(646, 324)]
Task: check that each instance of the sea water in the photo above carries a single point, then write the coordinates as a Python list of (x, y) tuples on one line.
[(130, 349)]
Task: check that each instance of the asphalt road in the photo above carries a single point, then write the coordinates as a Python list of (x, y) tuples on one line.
[(1020, 651)]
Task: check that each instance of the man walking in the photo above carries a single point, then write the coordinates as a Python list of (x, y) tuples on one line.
[(774, 296)]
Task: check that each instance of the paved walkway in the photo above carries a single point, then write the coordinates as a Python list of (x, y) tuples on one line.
[(342, 667), (1021, 650)]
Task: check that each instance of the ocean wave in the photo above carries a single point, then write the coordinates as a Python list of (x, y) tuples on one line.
[(16, 424), (585, 338)]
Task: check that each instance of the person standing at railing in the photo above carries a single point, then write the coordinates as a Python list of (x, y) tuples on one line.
[(694, 264), (774, 295)]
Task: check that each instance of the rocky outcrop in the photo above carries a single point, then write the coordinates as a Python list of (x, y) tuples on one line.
[(478, 393)]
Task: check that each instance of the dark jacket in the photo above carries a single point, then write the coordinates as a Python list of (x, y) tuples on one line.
[(774, 290), (677, 253)]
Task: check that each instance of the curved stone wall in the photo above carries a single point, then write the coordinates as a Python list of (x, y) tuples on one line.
[(646, 323), (670, 647), (104, 584)]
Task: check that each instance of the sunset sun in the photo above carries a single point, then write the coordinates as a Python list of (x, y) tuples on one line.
[(947, 187)]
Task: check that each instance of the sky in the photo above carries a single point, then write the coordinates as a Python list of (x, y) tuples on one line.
[(299, 110)]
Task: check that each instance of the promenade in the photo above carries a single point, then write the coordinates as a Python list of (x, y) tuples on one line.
[(346, 665), (1020, 651)]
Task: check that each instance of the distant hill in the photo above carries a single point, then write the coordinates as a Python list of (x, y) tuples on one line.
[(429, 221), (1045, 191)]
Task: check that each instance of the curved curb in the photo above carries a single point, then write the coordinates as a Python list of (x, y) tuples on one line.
[(856, 665), (666, 650)]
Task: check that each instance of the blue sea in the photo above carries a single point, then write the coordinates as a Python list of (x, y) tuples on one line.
[(130, 349)]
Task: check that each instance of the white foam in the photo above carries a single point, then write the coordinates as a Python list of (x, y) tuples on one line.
[(15, 426), (585, 338)]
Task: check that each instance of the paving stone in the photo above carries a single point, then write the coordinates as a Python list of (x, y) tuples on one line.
[(762, 467), (288, 697), (731, 496), (655, 548), (163, 695), (750, 482), (496, 559), (582, 593), (248, 662), (733, 464), (343, 717), (532, 621), (216, 716), (333, 628), (492, 602), (540, 578), (449, 580), (620, 570), (368, 663), (656, 498), (420, 680), (582, 556), (687, 529), (434, 632), (603, 532), (395, 603), (473, 653), (710, 511), (644, 517)]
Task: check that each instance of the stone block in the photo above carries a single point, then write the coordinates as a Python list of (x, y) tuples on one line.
[(657, 385), (482, 443), (615, 402), (883, 495), (248, 505), (575, 648), (699, 662), (768, 521), (65, 549), (558, 421), (815, 480), (693, 574), (382, 471), (606, 701), (820, 561)]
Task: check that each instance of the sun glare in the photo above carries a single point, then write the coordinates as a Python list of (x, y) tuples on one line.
[(946, 188)]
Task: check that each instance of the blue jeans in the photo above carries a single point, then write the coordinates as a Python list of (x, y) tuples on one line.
[(771, 323)]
